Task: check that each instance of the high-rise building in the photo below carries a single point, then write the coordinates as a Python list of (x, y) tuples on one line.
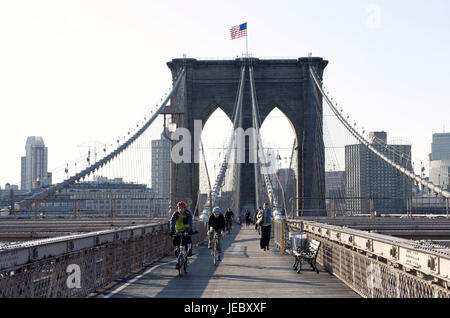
[(34, 173), (440, 146), (161, 169), (335, 184), (368, 177), (440, 160), (335, 192), (288, 185)]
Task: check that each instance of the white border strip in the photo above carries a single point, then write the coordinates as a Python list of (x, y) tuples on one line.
[(131, 281)]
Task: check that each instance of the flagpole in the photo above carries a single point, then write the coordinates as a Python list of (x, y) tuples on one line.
[(246, 38)]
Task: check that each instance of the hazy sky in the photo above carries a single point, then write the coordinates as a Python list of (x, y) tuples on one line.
[(75, 72)]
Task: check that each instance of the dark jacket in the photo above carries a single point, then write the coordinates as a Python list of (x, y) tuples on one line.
[(218, 224), (228, 214)]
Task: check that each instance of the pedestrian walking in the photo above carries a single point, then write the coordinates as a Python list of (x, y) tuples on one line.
[(265, 223)]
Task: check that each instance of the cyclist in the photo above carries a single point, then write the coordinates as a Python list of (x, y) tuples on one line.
[(247, 218), (181, 222), (228, 218), (216, 223)]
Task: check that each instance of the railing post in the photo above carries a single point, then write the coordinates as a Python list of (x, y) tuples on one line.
[(372, 214), (210, 201), (446, 206), (292, 201), (333, 210), (150, 208), (407, 208), (410, 207), (112, 208), (282, 237)]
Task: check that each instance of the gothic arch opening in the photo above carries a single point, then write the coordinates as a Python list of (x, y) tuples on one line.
[(215, 136), (278, 138)]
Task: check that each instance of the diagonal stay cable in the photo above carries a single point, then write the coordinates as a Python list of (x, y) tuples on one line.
[(206, 166), (271, 193), (361, 139), (224, 166)]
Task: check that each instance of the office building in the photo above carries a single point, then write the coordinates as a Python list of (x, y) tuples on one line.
[(335, 192), (161, 170), (368, 177), (34, 173), (440, 160)]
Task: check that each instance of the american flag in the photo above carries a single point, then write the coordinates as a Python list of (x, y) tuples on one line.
[(238, 31)]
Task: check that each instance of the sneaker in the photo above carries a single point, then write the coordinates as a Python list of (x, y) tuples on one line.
[(267, 247)]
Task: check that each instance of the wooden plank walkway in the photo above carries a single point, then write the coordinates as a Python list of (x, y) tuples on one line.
[(246, 271)]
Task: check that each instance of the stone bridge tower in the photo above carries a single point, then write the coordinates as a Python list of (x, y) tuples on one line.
[(282, 83)]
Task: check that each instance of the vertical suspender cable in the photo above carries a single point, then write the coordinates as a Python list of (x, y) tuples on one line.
[(219, 180), (64, 184)]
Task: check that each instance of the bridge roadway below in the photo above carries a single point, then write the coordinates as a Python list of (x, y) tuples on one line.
[(246, 271)]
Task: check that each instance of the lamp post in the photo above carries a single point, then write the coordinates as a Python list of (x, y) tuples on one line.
[(171, 128), (277, 214)]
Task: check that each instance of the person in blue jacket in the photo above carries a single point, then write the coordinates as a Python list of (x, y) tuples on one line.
[(265, 223)]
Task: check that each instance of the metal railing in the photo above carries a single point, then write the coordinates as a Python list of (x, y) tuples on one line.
[(97, 206), (376, 265), (369, 206), (281, 236), (76, 265)]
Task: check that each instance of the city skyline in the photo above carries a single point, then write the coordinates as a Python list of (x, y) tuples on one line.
[(80, 72)]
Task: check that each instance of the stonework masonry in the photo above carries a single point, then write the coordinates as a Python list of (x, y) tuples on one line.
[(282, 83)]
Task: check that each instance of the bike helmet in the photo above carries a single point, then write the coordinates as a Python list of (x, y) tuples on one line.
[(181, 204), (217, 210)]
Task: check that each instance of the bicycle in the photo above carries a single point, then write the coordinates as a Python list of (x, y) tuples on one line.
[(216, 252), (182, 257), (228, 224)]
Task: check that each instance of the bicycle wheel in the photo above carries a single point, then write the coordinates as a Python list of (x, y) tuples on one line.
[(180, 264), (216, 252)]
